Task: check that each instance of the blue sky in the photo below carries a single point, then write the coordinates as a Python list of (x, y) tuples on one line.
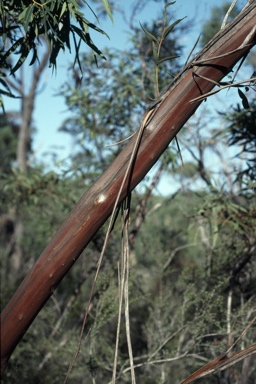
[(50, 109)]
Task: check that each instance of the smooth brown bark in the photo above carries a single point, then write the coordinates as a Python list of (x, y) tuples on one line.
[(97, 203)]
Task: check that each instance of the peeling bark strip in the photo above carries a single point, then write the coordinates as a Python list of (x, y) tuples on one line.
[(97, 203)]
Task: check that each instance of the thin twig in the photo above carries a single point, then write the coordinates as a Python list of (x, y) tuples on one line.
[(222, 87), (192, 50), (227, 14), (203, 61), (120, 304), (153, 362), (121, 141)]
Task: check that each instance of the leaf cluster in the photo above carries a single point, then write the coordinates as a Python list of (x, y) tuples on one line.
[(24, 24), (157, 41)]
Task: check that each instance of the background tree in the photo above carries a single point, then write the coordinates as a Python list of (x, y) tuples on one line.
[(31, 28), (98, 123)]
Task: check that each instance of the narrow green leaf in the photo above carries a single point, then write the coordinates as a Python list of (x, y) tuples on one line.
[(87, 39), (54, 53), (71, 10), (82, 21), (165, 10), (167, 58), (85, 27), (63, 9), (94, 14), (168, 4), (22, 14), (244, 99), (170, 28), (51, 18), (34, 55), (36, 30), (24, 54), (51, 6), (108, 10), (152, 37), (28, 16), (3, 58)]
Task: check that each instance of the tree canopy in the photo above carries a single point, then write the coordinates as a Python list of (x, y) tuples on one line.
[(25, 24)]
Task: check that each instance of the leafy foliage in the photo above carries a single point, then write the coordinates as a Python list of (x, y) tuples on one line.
[(25, 24), (51, 19)]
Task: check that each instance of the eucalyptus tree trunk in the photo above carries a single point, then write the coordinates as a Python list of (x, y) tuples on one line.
[(199, 77)]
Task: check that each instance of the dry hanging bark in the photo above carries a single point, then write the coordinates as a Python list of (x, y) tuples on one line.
[(214, 62)]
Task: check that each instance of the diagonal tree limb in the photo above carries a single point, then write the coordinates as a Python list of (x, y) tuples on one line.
[(97, 203)]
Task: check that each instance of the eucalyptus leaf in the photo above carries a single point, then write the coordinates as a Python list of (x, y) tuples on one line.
[(87, 39), (24, 54), (34, 57), (167, 58), (165, 10), (244, 99), (152, 37), (44, 18), (108, 10), (10, 51), (82, 21), (63, 9), (168, 4), (28, 18), (170, 28)]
